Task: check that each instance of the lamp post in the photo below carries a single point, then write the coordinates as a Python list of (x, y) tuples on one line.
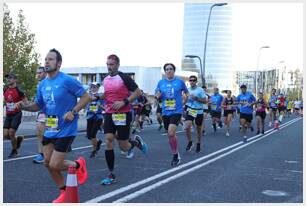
[(206, 34), (258, 57), (201, 68)]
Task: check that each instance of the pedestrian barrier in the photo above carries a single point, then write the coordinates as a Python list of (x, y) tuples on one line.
[(71, 193)]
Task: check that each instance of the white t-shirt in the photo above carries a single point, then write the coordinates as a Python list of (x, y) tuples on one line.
[(297, 104)]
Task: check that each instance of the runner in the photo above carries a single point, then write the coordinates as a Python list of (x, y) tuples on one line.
[(119, 91), (215, 104), (261, 106), (297, 106), (272, 107), (41, 120), (246, 100), (169, 90), (159, 114), (12, 96), (94, 118), (206, 109), (289, 108), (280, 102), (58, 94), (228, 106), (194, 112)]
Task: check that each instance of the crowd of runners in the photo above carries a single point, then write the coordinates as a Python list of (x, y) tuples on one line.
[(119, 108)]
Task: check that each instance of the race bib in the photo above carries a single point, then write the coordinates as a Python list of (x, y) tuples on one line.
[(119, 119), (192, 112), (93, 108), (170, 104), (213, 106), (52, 123), (10, 106)]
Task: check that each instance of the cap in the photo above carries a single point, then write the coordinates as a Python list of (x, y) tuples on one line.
[(243, 86), (11, 75), (95, 83)]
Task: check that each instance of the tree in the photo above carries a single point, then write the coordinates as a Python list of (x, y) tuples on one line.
[(19, 55)]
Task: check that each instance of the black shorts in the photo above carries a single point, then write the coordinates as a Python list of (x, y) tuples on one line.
[(172, 119), (215, 114), (122, 130), (227, 112), (198, 119), (12, 121), (93, 126), (158, 109), (247, 117), (206, 110), (261, 114), (281, 109), (60, 144), (273, 109)]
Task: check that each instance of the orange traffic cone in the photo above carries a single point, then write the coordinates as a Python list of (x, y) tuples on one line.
[(71, 193), (276, 124)]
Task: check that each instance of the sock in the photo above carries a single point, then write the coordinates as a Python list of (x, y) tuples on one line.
[(173, 144), (63, 188), (110, 159), (141, 124), (77, 165)]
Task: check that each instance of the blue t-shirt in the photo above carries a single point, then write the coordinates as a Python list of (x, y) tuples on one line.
[(272, 101), (171, 95), (58, 96), (216, 101), (243, 99), (94, 109), (198, 92)]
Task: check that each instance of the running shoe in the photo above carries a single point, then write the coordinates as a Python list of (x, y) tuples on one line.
[(19, 140), (123, 152), (13, 154), (93, 154), (220, 124), (142, 145), (60, 198), (257, 132), (189, 146), (176, 160), (82, 171), (227, 134), (99, 145), (270, 124), (215, 127), (252, 129), (198, 149), (39, 159), (110, 179), (245, 139), (160, 127), (130, 154), (263, 131)]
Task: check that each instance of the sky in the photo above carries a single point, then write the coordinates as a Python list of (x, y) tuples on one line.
[(151, 34)]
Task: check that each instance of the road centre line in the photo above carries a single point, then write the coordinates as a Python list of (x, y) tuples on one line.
[(162, 182), (144, 181)]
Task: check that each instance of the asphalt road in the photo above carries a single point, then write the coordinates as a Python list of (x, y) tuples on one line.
[(269, 168)]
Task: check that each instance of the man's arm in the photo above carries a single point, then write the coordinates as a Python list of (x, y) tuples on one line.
[(84, 100), (118, 104), (31, 107)]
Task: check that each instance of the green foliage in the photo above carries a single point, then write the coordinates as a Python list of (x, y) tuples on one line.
[(19, 55)]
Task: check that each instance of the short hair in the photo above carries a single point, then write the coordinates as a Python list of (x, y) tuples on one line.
[(193, 76), (169, 64), (58, 55), (114, 57)]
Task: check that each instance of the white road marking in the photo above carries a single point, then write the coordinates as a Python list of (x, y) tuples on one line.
[(169, 179), (144, 181)]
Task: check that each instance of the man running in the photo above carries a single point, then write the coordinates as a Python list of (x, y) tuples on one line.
[(272, 107), (41, 120), (215, 104), (206, 109), (169, 90), (194, 112), (58, 94), (94, 118), (246, 100), (280, 102), (119, 91), (12, 96), (159, 114)]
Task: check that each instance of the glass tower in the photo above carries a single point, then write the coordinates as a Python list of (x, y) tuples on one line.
[(219, 41)]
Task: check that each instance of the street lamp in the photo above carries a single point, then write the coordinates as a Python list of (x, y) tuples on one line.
[(258, 57), (206, 34), (201, 69)]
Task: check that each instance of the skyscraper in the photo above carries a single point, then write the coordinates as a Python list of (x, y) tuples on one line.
[(219, 40)]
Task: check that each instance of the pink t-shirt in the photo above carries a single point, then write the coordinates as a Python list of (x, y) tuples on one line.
[(117, 88)]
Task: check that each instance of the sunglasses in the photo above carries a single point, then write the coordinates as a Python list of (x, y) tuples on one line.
[(169, 69), (192, 80)]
